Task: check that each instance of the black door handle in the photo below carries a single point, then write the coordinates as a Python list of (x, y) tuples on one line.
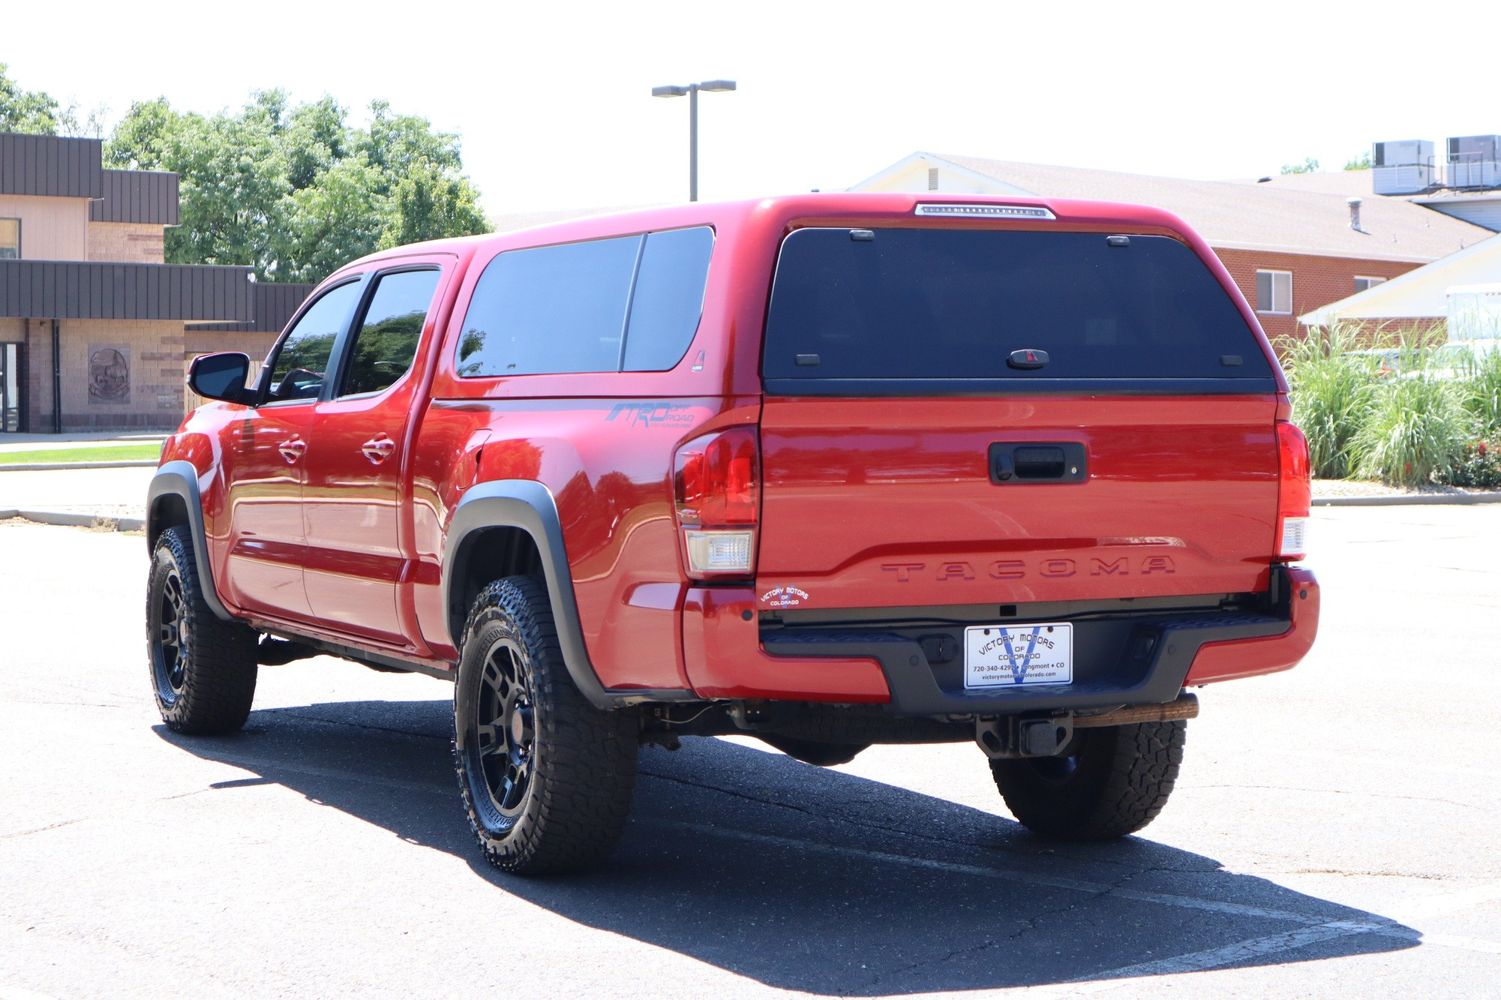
[(1013, 463)]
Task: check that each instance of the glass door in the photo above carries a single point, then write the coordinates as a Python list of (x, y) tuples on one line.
[(12, 379)]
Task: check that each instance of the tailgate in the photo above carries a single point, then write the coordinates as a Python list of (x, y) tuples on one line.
[(963, 415), (873, 503)]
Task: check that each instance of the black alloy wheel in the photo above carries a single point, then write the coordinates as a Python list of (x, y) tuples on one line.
[(504, 738), (545, 777), (174, 637), (203, 668)]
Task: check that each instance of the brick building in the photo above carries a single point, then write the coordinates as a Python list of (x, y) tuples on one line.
[(1289, 249), (94, 326)]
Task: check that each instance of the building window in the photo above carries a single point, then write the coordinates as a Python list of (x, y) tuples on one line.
[(1274, 292), (1362, 282), (10, 239)]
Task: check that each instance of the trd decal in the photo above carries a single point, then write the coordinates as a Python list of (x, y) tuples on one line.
[(647, 414), (784, 597)]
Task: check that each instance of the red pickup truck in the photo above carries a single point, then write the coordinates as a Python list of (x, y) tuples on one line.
[(829, 470)]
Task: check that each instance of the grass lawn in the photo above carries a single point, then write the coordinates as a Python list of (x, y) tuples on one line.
[(102, 453)]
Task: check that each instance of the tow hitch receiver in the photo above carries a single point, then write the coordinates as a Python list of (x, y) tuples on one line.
[(1014, 736), (1011, 736)]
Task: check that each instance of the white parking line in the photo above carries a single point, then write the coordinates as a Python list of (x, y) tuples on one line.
[(1214, 958), (1024, 877), (1314, 931)]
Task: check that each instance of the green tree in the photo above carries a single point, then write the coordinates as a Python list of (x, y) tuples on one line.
[(1308, 166), (1361, 162), (314, 138), (26, 110), (38, 113), (147, 137), (394, 143), (333, 221), (294, 190), (428, 203)]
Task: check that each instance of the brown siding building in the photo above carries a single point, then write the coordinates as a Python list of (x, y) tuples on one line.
[(93, 324), (1315, 281)]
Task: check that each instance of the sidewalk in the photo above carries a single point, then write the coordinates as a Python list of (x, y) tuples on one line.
[(118, 495), (77, 496), (1361, 493), (79, 439)]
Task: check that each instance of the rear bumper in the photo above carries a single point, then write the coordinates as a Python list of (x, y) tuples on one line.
[(1224, 661), (1134, 658)]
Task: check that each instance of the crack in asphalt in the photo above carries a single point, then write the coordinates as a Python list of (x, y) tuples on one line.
[(60, 824), (1363, 873), (43, 829)]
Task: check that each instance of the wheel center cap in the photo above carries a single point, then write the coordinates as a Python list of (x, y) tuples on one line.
[(518, 728)]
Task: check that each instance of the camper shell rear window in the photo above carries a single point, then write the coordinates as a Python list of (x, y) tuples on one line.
[(911, 311)]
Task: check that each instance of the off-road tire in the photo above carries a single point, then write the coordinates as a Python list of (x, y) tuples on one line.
[(557, 792), (203, 669), (1109, 783)]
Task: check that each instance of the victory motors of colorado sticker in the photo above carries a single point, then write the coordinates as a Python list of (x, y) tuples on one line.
[(784, 597)]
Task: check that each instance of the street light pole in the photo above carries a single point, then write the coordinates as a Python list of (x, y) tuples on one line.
[(693, 142), (691, 90)]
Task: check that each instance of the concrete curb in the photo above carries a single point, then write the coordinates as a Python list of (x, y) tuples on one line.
[(72, 520), (143, 463), (1412, 499)]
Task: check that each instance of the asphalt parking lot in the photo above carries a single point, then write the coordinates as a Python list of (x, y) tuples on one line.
[(1335, 831)]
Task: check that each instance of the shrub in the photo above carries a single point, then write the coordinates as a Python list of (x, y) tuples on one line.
[(1415, 428), (1480, 466), (1331, 394), (1480, 386)]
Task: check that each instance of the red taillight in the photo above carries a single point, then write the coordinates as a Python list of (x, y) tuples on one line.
[(717, 498), (1294, 491)]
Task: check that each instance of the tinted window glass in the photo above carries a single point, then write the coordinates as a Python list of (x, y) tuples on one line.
[(552, 309), (302, 361), (668, 299), (387, 339), (953, 304)]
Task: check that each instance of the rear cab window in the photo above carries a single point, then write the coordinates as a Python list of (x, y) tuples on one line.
[(622, 304), (916, 311)]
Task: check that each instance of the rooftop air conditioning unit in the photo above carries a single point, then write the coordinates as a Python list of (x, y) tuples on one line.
[(1474, 161), (1402, 167)]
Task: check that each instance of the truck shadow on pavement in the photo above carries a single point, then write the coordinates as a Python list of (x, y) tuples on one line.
[(815, 880)]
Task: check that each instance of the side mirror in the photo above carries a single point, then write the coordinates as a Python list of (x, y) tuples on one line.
[(221, 376)]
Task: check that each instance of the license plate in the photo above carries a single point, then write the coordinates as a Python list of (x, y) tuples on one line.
[(1009, 655)]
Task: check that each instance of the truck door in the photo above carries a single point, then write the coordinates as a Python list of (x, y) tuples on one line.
[(265, 494), (353, 491)]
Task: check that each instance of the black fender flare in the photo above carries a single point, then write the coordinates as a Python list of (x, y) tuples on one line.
[(180, 479), (529, 506)]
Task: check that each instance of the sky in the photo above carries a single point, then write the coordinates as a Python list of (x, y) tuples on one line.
[(552, 100)]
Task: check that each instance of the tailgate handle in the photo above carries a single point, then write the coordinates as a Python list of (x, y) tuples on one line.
[(1016, 463)]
